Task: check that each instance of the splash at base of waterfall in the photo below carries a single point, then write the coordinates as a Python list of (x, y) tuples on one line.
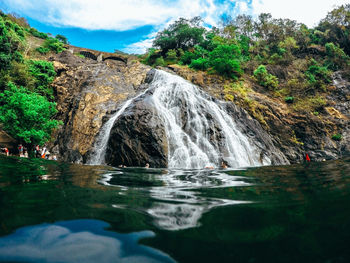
[(200, 133)]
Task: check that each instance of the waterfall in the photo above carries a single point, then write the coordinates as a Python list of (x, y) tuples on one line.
[(199, 131), (189, 116), (100, 146)]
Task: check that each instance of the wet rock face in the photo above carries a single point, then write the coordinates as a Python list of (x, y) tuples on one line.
[(87, 90), (138, 137), (257, 135)]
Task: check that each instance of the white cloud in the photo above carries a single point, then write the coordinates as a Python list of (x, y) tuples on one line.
[(309, 12), (139, 47), (242, 6), (112, 14)]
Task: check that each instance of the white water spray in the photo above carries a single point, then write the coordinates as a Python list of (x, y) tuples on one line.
[(188, 116), (100, 146), (200, 133)]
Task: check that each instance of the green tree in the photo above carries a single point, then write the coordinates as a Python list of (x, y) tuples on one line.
[(318, 75), (11, 42), (183, 34), (27, 116), (336, 27), (225, 60), (336, 57), (264, 78), (44, 73), (54, 45), (62, 39)]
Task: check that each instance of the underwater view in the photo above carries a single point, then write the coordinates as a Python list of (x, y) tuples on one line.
[(59, 212)]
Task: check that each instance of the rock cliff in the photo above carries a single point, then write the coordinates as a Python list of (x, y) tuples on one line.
[(88, 91)]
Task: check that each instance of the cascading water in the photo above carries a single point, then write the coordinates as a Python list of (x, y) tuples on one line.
[(189, 116), (199, 132), (99, 150)]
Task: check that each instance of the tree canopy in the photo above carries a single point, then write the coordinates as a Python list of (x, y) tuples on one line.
[(27, 116)]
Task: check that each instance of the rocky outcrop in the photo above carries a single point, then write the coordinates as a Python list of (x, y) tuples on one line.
[(87, 90), (294, 134), (138, 137)]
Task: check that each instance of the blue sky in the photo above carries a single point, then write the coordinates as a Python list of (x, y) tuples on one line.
[(131, 25)]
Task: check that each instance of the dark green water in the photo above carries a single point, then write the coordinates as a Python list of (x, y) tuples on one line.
[(58, 212)]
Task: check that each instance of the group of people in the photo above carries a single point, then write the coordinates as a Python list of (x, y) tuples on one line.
[(23, 152), (124, 166)]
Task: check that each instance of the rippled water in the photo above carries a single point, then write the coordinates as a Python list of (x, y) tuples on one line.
[(58, 212)]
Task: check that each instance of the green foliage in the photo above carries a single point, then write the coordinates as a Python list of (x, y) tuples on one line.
[(225, 60), (160, 62), (12, 40), (42, 50), (44, 73), (200, 63), (289, 99), (318, 75), (337, 137), (151, 56), (54, 45), (38, 34), (337, 58), (62, 39), (171, 56), (335, 28), (183, 34), (80, 55), (27, 116), (187, 57), (264, 78)]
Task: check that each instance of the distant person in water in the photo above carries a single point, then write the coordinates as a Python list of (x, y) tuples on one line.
[(224, 165), (307, 158), (209, 167), (147, 165)]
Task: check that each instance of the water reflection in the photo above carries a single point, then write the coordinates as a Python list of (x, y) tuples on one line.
[(77, 241), (177, 202)]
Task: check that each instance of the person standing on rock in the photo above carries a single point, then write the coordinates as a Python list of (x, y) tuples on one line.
[(20, 150), (37, 151)]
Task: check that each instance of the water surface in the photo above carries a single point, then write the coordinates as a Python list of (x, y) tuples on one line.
[(59, 212)]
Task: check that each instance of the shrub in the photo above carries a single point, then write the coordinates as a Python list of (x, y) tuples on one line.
[(337, 137), (44, 73), (160, 62), (54, 45), (38, 34), (225, 60), (337, 58), (62, 39), (318, 75), (171, 56), (289, 99), (264, 78), (151, 57), (42, 50), (200, 63), (27, 116)]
